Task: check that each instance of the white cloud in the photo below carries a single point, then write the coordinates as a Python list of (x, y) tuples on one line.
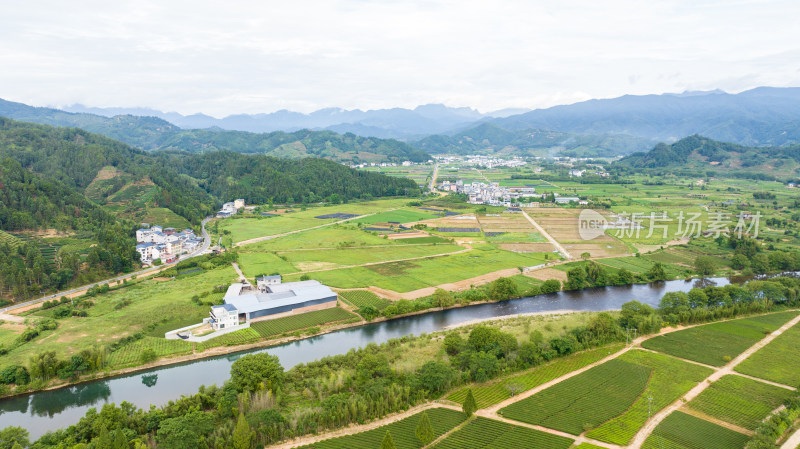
[(244, 56)]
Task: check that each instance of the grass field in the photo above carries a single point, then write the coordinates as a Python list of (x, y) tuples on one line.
[(739, 400), (487, 433), (269, 328), (403, 432), (123, 312), (721, 341), (363, 298), (412, 275), (496, 392), (584, 401), (358, 256), (778, 361), (682, 431), (255, 264), (334, 236), (405, 215), (670, 379)]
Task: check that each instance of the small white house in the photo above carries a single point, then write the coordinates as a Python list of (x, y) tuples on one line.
[(224, 317), (238, 204)]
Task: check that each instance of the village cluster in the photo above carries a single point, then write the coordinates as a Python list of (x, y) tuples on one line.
[(481, 161), (493, 194), (165, 244)]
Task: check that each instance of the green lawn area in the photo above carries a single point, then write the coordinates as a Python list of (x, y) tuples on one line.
[(412, 275), (584, 401), (670, 379), (739, 400), (123, 312), (256, 264), (403, 432), (487, 433), (778, 361), (720, 341), (682, 431), (498, 391), (256, 226)]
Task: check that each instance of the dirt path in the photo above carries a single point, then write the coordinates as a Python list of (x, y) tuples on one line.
[(12, 318), (453, 286), (650, 425), (242, 277), (716, 421), (549, 238), (275, 236), (350, 430)]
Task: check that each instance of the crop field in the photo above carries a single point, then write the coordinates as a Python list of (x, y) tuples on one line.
[(405, 215), (403, 432), (411, 275), (682, 431), (165, 218), (363, 298), (277, 326), (421, 174), (8, 239), (584, 401), (239, 337), (334, 236), (721, 341), (496, 392), (670, 379), (129, 355), (739, 400), (487, 433), (777, 361), (311, 260)]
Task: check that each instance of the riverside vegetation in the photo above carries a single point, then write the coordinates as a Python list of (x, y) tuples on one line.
[(262, 403)]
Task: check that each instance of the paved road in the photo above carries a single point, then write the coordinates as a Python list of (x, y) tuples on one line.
[(202, 250), (433, 178)]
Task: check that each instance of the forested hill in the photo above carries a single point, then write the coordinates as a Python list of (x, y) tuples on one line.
[(488, 138), (152, 134), (264, 179), (707, 155)]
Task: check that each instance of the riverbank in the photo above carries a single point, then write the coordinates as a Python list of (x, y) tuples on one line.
[(220, 351)]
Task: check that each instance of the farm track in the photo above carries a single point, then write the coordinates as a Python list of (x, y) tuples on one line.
[(793, 442), (549, 237)]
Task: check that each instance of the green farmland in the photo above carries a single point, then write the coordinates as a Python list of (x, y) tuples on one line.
[(682, 431), (402, 431), (778, 361), (584, 401), (486, 433), (721, 341)]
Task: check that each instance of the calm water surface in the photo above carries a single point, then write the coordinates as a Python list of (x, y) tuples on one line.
[(41, 412)]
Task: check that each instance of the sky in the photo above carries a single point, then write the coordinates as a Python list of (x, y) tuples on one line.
[(232, 57)]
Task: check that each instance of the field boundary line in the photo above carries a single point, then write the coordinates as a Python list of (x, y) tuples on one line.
[(720, 422), (647, 429), (765, 381)]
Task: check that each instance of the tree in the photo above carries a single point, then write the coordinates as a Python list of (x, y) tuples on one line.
[(624, 277), (674, 303), (12, 435), (740, 262), (256, 371), (242, 434), (424, 430), (586, 256), (442, 298), (388, 442), (502, 289), (576, 278), (704, 265), (184, 432), (551, 286), (436, 377), (453, 343), (469, 406), (657, 272)]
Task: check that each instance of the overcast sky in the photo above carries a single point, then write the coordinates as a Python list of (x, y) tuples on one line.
[(231, 57)]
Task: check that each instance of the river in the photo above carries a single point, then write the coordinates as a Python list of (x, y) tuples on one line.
[(50, 410)]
